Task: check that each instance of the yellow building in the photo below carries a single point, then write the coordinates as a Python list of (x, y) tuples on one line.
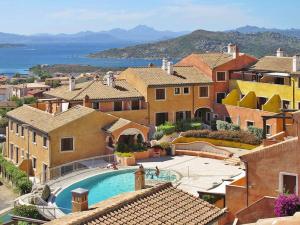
[(52, 141), (271, 84), (172, 93)]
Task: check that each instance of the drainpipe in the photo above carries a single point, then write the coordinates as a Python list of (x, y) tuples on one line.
[(247, 183), (293, 86)]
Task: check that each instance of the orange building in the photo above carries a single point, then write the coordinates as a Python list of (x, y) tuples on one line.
[(270, 170)]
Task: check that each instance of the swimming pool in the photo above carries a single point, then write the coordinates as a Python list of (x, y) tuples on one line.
[(107, 185)]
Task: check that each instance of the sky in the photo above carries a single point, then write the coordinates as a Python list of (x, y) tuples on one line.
[(71, 16)]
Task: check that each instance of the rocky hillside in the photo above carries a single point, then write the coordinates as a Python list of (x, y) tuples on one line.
[(257, 44)]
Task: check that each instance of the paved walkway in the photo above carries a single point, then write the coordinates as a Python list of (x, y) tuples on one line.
[(7, 196), (198, 174)]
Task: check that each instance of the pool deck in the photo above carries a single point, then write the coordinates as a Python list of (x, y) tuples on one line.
[(198, 174)]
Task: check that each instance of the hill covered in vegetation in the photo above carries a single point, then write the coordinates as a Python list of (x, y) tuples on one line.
[(257, 44)]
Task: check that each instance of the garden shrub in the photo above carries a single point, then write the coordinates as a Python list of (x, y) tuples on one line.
[(166, 128), (258, 132), (223, 125), (286, 205), (124, 154), (196, 126), (122, 147), (210, 198), (167, 147), (29, 211), (158, 135), (17, 176), (236, 136)]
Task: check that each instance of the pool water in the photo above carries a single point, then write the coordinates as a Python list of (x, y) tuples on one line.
[(5, 218), (107, 185)]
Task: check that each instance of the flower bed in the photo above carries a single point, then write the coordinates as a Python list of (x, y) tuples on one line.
[(233, 139)]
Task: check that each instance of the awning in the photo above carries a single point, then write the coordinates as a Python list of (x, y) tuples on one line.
[(277, 74)]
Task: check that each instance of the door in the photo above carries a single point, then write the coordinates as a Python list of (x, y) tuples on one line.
[(161, 118), (44, 173)]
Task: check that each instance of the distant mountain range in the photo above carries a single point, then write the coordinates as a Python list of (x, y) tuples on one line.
[(253, 29), (257, 44), (139, 34)]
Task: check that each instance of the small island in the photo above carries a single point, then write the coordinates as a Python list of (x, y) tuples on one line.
[(7, 45)]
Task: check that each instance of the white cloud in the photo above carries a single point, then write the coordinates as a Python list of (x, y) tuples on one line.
[(174, 16)]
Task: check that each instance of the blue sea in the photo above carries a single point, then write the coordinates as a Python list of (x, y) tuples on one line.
[(20, 59)]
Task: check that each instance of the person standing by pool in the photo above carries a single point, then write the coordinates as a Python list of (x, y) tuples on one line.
[(157, 171)]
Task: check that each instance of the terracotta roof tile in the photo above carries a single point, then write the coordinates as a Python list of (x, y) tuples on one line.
[(216, 59), (154, 76), (274, 64), (163, 204), (45, 121), (95, 89)]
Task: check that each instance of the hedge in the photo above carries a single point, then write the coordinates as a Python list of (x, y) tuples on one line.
[(28, 211), (258, 132), (17, 176), (235, 136), (124, 154)]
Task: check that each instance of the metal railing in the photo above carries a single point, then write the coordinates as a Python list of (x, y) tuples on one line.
[(89, 163)]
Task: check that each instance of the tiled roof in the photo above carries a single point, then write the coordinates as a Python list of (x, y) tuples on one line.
[(116, 125), (154, 76), (214, 60), (32, 85), (274, 64), (8, 104), (163, 204), (95, 89), (45, 121)]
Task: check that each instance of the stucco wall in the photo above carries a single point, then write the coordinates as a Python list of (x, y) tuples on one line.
[(89, 138)]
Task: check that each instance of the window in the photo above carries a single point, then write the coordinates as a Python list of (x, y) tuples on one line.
[(268, 129), (160, 94), (177, 91), (183, 115), (135, 104), (118, 106), (203, 92), (299, 82), (17, 128), (45, 141), (161, 118), (22, 131), (22, 153), (221, 76), (66, 144), (95, 105), (34, 162), (220, 97), (33, 136), (11, 126), (186, 90), (11, 151), (288, 183), (279, 80), (17, 155), (249, 123), (285, 104), (298, 105)]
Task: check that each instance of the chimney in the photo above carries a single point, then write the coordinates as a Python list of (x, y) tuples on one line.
[(296, 63), (279, 52), (236, 52), (139, 176), (79, 200), (170, 70), (233, 50), (164, 64), (71, 83), (110, 79), (230, 48)]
